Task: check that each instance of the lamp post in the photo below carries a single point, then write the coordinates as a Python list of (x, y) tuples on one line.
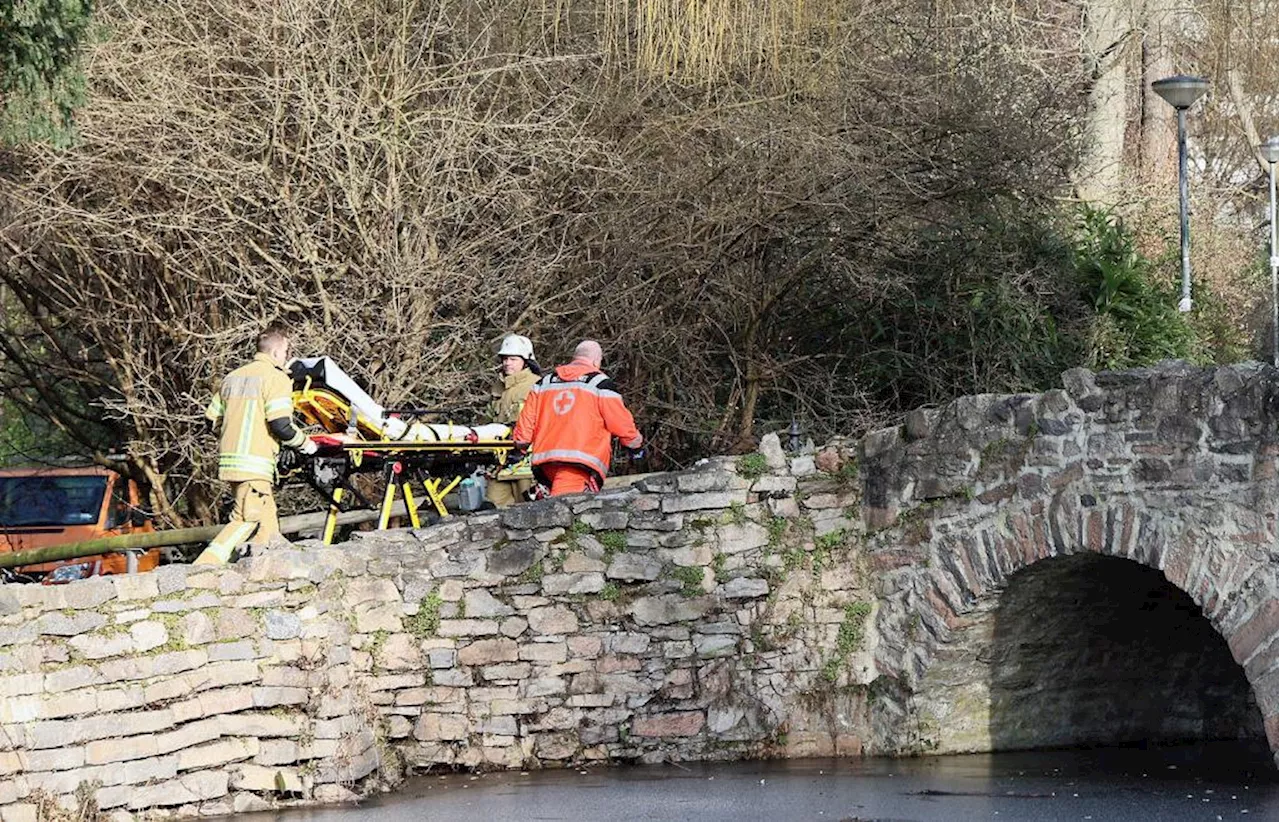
[(1271, 153), (1181, 91)]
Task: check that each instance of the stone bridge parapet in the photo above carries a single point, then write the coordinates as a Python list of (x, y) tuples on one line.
[(836, 602)]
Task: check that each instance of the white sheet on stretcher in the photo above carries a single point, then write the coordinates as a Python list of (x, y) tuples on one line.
[(373, 415)]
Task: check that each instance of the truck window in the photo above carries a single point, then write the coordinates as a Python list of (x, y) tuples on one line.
[(50, 500)]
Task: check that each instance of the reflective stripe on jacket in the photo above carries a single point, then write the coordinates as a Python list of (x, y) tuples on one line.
[(570, 415), (249, 398)]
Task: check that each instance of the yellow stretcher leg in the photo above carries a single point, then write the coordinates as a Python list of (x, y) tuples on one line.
[(411, 504), (388, 499), (331, 521), (437, 494)]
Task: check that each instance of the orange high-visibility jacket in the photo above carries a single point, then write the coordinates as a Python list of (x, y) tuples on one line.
[(570, 415)]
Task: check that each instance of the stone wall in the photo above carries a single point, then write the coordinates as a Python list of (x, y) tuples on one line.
[(768, 605), (679, 620)]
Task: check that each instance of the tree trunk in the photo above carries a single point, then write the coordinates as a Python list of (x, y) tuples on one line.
[(1107, 33), (1158, 142)]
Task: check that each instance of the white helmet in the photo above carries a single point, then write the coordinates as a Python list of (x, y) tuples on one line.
[(514, 345)]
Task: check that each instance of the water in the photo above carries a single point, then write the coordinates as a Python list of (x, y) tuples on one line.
[(1205, 782)]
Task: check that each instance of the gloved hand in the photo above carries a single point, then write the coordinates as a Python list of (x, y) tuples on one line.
[(308, 446), (637, 453), (515, 455)]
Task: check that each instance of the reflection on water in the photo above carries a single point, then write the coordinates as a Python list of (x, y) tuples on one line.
[(1215, 781)]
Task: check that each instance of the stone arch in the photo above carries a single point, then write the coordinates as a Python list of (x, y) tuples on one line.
[(1171, 468)]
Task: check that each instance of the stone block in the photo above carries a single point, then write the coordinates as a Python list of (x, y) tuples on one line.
[(197, 628), (217, 754), (272, 598), (373, 618), (606, 520), (53, 759), (514, 627), (453, 678), (499, 707), (436, 727), (516, 671), (678, 503), (262, 725), (249, 777), (120, 750), (93, 646), (744, 588), (669, 608), (488, 651), (738, 538), (87, 593), (553, 620), (544, 686), (546, 652), (400, 652), (467, 627), (136, 586), (682, 723), (442, 657), (283, 625), (548, 513), (235, 623), (515, 558), (709, 647), (58, 624), (68, 679), (19, 812), (585, 647), (629, 643), (771, 447), (560, 584), (577, 562), (481, 603), (632, 567), (274, 696)]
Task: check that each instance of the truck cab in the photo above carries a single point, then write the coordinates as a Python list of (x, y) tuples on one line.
[(47, 506)]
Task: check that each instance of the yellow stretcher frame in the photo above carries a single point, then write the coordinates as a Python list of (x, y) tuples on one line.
[(323, 408), (392, 453)]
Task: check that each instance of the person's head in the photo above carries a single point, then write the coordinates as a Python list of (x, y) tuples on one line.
[(274, 342), (589, 351), (515, 354)]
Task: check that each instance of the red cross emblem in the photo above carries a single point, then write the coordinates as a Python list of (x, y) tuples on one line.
[(563, 402)]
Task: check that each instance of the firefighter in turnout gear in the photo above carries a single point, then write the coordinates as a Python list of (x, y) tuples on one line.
[(254, 408), (519, 372), (568, 421)]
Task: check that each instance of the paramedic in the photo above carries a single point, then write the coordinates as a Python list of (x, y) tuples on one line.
[(568, 420), (255, 409), (518, 371)]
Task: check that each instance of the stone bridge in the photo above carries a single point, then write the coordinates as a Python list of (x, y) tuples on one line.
[(1092, 565), (1064, 567)]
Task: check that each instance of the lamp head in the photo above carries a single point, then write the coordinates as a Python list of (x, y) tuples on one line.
[(1181, 90), (1271, 150)]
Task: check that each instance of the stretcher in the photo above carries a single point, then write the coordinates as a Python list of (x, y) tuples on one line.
[(355, 435)]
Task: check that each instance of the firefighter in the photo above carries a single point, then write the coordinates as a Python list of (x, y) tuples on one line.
[(255, 409), (568, 420), (518, 372)]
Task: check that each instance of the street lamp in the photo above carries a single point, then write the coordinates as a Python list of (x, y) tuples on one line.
[(1181, 92), (1271, 153)]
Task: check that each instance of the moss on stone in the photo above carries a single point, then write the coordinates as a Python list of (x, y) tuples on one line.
[(690, 577), (426, 622), (752, 466)]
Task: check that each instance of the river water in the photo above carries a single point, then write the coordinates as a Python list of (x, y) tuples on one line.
[(1204, 782)]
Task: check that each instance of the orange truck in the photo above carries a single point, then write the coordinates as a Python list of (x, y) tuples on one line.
[(47, 506)]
